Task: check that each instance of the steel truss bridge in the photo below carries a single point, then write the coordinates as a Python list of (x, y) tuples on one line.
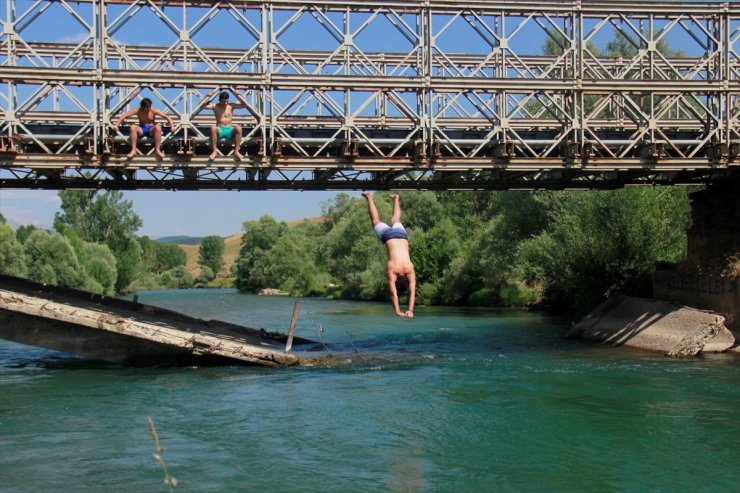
[(413, 94)]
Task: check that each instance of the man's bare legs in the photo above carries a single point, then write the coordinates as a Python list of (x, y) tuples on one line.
[(134, 133), (157, 131), (237, 142), (214, 143), (374, 218), (396, 217)]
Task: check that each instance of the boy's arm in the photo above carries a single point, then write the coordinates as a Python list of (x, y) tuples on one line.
[(394, 294), (208, 97), (166, 117), (121, 118), (240, 105), (412, 294)]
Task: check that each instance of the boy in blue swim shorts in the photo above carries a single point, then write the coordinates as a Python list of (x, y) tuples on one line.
[(147, 126), (224, 112), (400, 270)]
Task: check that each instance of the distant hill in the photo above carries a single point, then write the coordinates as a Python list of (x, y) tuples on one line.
[(232, 245), (181, 240)]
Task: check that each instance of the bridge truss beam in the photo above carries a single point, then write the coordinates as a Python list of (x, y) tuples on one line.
[(462, 99)]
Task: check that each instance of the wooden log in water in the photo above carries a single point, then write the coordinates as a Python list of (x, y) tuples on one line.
[(293, 321), (130, 333)]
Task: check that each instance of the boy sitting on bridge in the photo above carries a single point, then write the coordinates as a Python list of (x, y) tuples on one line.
[(223, 110), (147, 126)]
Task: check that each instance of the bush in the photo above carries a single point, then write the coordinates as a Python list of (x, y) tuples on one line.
[(483, 297), (52, 260), (168, 281), (518, 294), (12, 258), (427, 293), (599, 244), (148, 281), (206, 275), (23, 232), (100, 267), (183, 278)]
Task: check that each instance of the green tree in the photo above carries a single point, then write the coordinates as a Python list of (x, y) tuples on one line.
[(181, 278), (100, 267), (104, 217), (432, 252), (252, 263), (12, 258), (206, 275), (211, 253), (148, 254), (169, 256), (420, 210), (599, 244), (128, 262), (97, 264), (160, 257), (52, 260), (292, 264), (23, 232)]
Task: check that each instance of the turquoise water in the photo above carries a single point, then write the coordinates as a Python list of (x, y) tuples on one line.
[(453, 400)]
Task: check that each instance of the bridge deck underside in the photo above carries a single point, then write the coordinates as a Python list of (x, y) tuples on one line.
[(329, 106)]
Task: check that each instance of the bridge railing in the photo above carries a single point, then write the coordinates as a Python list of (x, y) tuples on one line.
[(412, 85)]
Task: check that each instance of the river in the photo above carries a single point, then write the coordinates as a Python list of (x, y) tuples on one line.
[(453, 400)]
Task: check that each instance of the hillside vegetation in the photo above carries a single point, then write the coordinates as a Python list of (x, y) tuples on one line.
[(231, 252), (232, 245)]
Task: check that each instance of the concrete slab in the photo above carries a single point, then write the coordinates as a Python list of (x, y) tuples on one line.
[(655, 325)]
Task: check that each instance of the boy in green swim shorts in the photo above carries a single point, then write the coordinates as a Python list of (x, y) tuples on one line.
[(223, 110)]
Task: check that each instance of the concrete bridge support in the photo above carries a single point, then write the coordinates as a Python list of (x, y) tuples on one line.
[(709, 278)]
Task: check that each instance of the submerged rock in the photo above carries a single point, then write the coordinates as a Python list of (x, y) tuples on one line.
[(655, 325)]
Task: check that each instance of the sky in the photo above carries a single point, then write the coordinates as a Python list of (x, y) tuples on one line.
[(168, 213)]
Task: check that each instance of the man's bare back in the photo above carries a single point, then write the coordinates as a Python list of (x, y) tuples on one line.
[(399, 259)]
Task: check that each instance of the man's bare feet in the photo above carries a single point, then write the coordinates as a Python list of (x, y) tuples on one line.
[(367, 194), (159, 154), (394, 197), (212, 156), (238, 155), (131, 154)]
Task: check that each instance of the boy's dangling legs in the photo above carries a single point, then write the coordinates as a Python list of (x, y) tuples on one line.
[(374, 218), (396, 217)]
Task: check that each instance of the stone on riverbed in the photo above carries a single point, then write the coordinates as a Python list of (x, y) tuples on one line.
[(655, 325)]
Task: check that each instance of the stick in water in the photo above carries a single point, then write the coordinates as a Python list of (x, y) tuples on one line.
[(296, 309)]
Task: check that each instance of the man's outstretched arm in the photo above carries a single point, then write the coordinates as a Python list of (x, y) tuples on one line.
[(412, 294), (394, 294)]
